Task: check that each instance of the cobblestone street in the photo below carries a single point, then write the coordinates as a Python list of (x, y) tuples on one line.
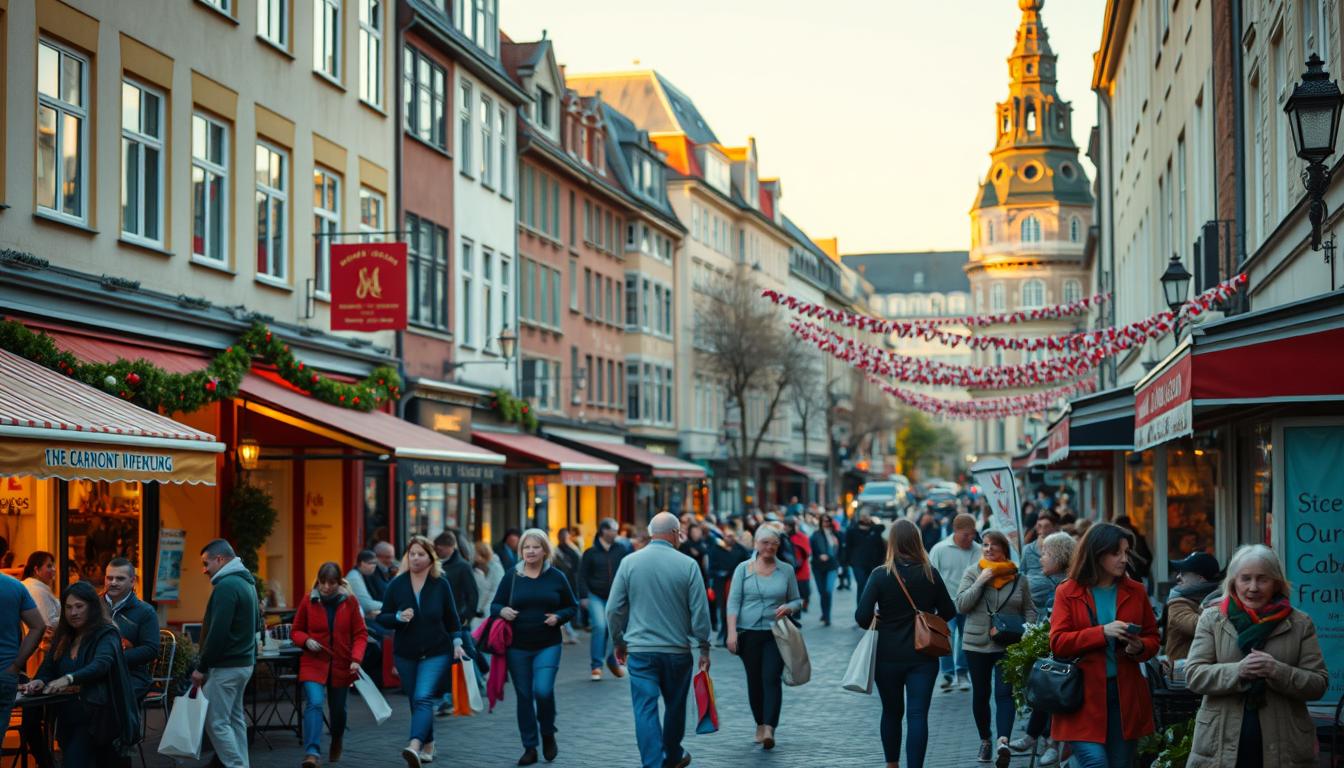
[(822, 725)]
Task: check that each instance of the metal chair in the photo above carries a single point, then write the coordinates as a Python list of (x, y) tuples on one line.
[(160, 685)]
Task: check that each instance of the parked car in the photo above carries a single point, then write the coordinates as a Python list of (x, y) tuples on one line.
[(941, 502), (887, 498)]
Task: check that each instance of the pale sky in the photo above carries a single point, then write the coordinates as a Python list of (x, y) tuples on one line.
[(877, 115)]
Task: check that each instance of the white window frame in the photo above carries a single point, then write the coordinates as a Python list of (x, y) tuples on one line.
[(326, 222), (998, 297), (487, 297), (371, 15), (272, 193), (428, 95), (145, 141), (502, 127), (209, 168), (273, 22), (465, 108), (466, 259), (487, 107), (1031, 229), (64, 109), (505, 283), (324, 11), (1073, 291), (372, 228), (1033, 294)]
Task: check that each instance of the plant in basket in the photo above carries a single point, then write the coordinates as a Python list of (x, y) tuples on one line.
[(1018, 658)]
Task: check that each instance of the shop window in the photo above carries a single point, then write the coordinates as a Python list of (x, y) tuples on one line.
[(1191, 497), (1139, 492), (1257, 461), (102, 522)]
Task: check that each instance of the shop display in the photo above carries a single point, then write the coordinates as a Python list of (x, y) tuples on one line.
[(102, 523)]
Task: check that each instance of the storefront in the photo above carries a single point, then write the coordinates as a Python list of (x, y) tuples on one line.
[(797, 481), (648, 482), (1085, 449), (89, 477)]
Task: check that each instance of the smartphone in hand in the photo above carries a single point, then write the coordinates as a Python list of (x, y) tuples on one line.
[(1134, 629)]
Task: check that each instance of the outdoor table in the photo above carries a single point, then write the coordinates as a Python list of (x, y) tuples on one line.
[(267, 716), (48, 703)]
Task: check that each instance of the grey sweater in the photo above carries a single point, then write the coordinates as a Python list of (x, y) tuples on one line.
[(658, 603), (753, 598)]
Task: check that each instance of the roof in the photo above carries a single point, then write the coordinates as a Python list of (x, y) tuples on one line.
[(469, 55), (797, 233), (912, 272), (651, 101), (622, 133)]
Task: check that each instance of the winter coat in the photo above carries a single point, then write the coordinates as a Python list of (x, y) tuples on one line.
[(232, 614), (105, 689), (139, 627), (802, 548), (1073, 634), (1289, 736), (822, 546), (865, 548), (344, 639), (977, 602), (1179, 618), (433, 630)]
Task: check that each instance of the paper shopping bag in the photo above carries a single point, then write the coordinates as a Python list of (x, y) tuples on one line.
[(789, 639), (862, 665), (474, 696), (707, 720), (461, 706), (378, 705), (186, 725)]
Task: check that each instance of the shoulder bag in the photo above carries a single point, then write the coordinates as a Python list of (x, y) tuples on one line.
[(1006, 628), (932, 637), (1055, 685)]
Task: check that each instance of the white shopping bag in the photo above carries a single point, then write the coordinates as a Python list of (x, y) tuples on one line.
[(789, 639), (378, 705), (474, 697), (862, 665), (186, 724)]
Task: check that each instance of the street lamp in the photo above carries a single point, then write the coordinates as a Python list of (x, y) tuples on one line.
[(1175, 283), (249, 452), (1313, 113), (507, 340)]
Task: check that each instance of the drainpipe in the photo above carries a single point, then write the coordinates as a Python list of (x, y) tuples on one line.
[(398, 210), (1107, 172), (1239, 130)]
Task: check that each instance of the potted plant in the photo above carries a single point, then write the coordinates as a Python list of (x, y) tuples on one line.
[(1018, 658)]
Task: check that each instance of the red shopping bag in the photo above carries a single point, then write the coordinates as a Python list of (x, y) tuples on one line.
[(707, 720)]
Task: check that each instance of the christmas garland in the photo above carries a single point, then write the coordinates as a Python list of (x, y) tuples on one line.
[(514, 410), (992, 408), (1131, 334), (1056, 312), (151, 387)]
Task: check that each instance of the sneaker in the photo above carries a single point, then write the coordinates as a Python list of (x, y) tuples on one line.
[(1049, 757), (616, 668), (426, 757), (964, 683), (984, 756), (1004, 753), (445, 709), (947, 683), (596, 675), (411, 757), (310, 761), (529, 756), (1022, 744), (683, 762)]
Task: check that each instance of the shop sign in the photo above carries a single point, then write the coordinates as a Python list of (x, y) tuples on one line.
[(445, 418), (449, 472), (92, 461), (1313, 530), (168, 578), (1057, 443), (578, 477), (368, 287), (1163, 409), (995, 478)]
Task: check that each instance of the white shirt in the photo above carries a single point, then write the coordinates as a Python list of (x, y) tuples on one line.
[(47, 604)]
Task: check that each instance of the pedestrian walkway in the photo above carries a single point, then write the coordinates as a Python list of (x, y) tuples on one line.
[(822, 726)]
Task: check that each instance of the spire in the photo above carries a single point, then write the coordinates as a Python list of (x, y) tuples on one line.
[(1032, 60)]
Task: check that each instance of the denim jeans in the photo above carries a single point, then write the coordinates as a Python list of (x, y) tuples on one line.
[(315, 695), (860, 580), (984, 668), (600, 649), (74, 730), (1116, 752), (422, 681), (906, 690), (955, 661), (533, 674), (825, 587), (654, 675)]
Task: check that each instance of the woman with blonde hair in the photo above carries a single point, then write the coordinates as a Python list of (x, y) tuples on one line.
[(1257, 661), (487, 569), (892, 594), (419, 607), (536, 599), (329, 627)]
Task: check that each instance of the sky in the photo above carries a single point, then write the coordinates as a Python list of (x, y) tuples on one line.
[(876, 115)]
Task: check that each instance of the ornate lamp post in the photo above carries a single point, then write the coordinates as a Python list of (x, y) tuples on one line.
[(1175, 285), (1313, 114)]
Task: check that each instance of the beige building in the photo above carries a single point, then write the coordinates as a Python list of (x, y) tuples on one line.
[(1029, 222)]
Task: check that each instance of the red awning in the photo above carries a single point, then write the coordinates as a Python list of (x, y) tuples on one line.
[(1307, 366), (655, 464), (575, 468), (798, 469), (372, 430)]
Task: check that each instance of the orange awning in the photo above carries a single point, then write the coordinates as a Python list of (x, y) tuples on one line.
[(575, 468)]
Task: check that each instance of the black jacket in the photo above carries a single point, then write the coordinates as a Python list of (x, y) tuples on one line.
[(895, 628), (822, 546), (866, 548), (724, 560), (533, 599), (567, 559), (105, 690), (699, 552), (139, 625), (460, 577), (431, 631), (598, 567)]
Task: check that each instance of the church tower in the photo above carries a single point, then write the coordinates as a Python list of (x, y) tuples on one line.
[(1029, 223)]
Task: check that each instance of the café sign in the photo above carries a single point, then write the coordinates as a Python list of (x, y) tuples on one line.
[(101, 461), (368, 287), (1163, 409), (449, 472)]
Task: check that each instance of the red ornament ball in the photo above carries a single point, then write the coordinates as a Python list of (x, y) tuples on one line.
[(300, 366), (211, 386), (342, 398), (355, 401), (313, 378), (268, 335), (133, 379), (524, 409)]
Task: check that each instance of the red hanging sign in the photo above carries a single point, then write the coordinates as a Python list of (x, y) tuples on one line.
[(368, 287), (1163, 409)]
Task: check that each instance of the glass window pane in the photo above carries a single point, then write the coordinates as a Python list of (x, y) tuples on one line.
[(277, 171), (72, 80), (215, 194), (149, 119), (198, 202), (48, 70), (263, 167), (215, 144), (46, 157), (130, 181), (263, 235), (151, 193), (278, 240), (130, 107), (72, 180)]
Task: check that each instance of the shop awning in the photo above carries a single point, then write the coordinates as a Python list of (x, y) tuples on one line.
[(372, 431), (54, 426), (633, 458), (530, 451), (1094, 426), (815, 475)]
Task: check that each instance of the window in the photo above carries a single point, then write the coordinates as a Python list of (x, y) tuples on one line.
[(1181, 195), (997, 300), (543, 108), (62, 132), (487, 144), (1075, 230), (989, 233), (1031, 230), (141, 163), (526, 279), (573, 212), (273, 22), (1033, 294), (371, 207), (371, 51), (573, 285), (587, 293), (502, 129), (272, 200), (555, 298), (223, 5), (464, 299), (209, 189), (427, 271), (464, 106), (505, 286), (600, 396), (1073, 291), (424, 98), (487, 295), (327, 37), (326, 223), (462, 16)]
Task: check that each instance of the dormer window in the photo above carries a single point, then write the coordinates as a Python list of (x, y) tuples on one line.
[(599, 153), (544, 108)]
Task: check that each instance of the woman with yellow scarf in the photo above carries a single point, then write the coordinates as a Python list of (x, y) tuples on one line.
[(996, 600)]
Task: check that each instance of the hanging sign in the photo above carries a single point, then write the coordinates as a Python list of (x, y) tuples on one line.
[(995, 478), (168, 577), (1163, 409), (1057, 442), (368, 287)]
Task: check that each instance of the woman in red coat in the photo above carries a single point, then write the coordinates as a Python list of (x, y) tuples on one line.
[(329, 627), (1102, 618)]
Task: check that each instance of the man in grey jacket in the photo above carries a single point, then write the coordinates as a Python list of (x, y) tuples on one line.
[(656, 608)]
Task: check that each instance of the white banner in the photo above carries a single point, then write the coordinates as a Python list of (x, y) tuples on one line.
[(995, 478)]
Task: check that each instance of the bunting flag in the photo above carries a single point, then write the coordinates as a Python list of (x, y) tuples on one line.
[(989, 408), (1069, 309), (1127, 335)]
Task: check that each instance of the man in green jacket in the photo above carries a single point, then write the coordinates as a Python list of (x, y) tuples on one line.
[(228, 651)]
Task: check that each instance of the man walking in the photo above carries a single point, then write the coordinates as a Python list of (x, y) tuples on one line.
[(597, 569), (384, 572), (657, 606), (951, 557), (228, 650), (866, 548)]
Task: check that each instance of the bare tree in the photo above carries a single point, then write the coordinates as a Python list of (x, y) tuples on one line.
[(871, 414), (808, 393), (743, 342)]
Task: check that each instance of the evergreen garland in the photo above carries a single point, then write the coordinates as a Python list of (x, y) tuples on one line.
[(151, 387), (514, 410)]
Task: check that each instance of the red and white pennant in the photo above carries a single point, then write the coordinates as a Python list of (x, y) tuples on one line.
[(991, 408)]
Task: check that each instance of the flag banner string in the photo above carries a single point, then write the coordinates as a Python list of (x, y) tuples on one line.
[(988, 408)]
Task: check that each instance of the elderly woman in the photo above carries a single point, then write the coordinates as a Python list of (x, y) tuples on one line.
[(764, 590), (1056, 552), (1257, 662)]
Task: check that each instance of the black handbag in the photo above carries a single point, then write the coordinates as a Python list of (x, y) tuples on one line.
[(1007, 628), (1055, 686)]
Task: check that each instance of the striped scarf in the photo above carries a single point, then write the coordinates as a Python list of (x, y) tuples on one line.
[(1253, 630)]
